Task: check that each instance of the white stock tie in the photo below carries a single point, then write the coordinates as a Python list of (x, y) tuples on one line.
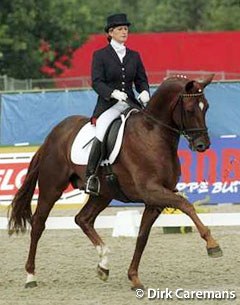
[(120, 49)]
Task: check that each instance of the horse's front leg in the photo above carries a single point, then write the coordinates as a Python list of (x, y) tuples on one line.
[(170, 199), (85, 219), (150, 214), (212, 246)]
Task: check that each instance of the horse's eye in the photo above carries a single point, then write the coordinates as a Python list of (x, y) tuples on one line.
[(190, 111)]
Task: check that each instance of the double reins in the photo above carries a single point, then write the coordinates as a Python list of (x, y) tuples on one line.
[(143, 110), (181, 131)]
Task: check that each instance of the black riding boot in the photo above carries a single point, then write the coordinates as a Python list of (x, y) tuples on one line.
[(92, 181)]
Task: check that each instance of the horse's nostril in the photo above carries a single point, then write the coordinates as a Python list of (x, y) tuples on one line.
[(201, 146)]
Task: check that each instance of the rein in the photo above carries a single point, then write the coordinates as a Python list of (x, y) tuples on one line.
[(182, 130), (149, 115)]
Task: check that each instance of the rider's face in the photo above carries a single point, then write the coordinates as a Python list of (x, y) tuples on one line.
[(119, 33)]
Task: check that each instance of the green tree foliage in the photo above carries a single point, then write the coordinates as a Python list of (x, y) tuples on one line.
[(59, 26), (181, 15), (222, 15), (35, 33)]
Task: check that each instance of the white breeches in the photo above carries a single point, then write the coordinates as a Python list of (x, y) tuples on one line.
[(106, 118)]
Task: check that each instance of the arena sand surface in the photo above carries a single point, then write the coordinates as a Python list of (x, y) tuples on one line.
[(66, 267)]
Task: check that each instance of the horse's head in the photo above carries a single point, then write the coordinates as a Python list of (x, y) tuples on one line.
[(189, 111)]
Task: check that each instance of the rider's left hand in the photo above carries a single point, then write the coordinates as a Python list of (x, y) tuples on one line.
[(144, 97)]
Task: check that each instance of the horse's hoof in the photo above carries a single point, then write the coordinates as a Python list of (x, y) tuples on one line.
[(215, 252), (135, 288), (31, 284), (102, 273)]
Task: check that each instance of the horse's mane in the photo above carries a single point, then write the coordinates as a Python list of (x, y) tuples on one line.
[(179, 79)]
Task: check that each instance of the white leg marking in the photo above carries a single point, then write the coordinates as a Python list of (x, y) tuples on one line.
[(103, 254), (30, 278)]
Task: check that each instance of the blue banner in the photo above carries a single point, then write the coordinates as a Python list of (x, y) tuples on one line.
[(29, 117)]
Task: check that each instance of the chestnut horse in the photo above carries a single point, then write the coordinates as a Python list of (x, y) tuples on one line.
[(147, 168)]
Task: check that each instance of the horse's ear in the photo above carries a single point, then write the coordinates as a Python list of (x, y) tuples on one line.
[(189, 85), (208, 80)]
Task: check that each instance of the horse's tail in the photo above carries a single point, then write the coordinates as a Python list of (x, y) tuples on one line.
[(20, 212)]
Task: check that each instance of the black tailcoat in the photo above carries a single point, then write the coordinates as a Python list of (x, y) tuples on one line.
[(108, 73)]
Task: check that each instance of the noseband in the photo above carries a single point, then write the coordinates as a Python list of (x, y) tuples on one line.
[(189, 133)]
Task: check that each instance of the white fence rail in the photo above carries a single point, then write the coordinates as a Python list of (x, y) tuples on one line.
[(12, 84), (128, 225)]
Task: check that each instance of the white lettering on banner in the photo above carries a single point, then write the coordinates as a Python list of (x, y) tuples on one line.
[(19, 179), (224, 187), (5, 178), (11, 179), (193, 187), (2, 172), (203, 187), (214, 188)]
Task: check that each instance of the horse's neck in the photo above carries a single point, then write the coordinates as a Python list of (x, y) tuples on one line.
[(160, 107), (156, 130), (171, 138), (161, 103)]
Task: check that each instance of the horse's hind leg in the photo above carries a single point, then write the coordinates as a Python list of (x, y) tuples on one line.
[(85, 219), (150, 214), (48, 195)]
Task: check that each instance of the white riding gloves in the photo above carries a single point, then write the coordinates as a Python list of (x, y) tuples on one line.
[(119, 95), (144, 97)]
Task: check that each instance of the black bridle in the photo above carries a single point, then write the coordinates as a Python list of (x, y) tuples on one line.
[(189, 133)]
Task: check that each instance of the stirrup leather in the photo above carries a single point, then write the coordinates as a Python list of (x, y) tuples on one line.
[(93, 185)]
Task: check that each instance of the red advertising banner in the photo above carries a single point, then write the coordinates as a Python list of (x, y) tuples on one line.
[(13, 169)]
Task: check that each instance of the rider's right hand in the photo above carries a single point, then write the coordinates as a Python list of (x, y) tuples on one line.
[(119, 95)]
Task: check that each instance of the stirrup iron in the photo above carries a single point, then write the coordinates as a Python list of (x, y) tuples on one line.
[(90, 188)]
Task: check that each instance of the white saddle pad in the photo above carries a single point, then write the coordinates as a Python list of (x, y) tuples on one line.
[(82, 143)]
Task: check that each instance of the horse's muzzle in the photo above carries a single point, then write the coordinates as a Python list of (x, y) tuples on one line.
[(201, 144)]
